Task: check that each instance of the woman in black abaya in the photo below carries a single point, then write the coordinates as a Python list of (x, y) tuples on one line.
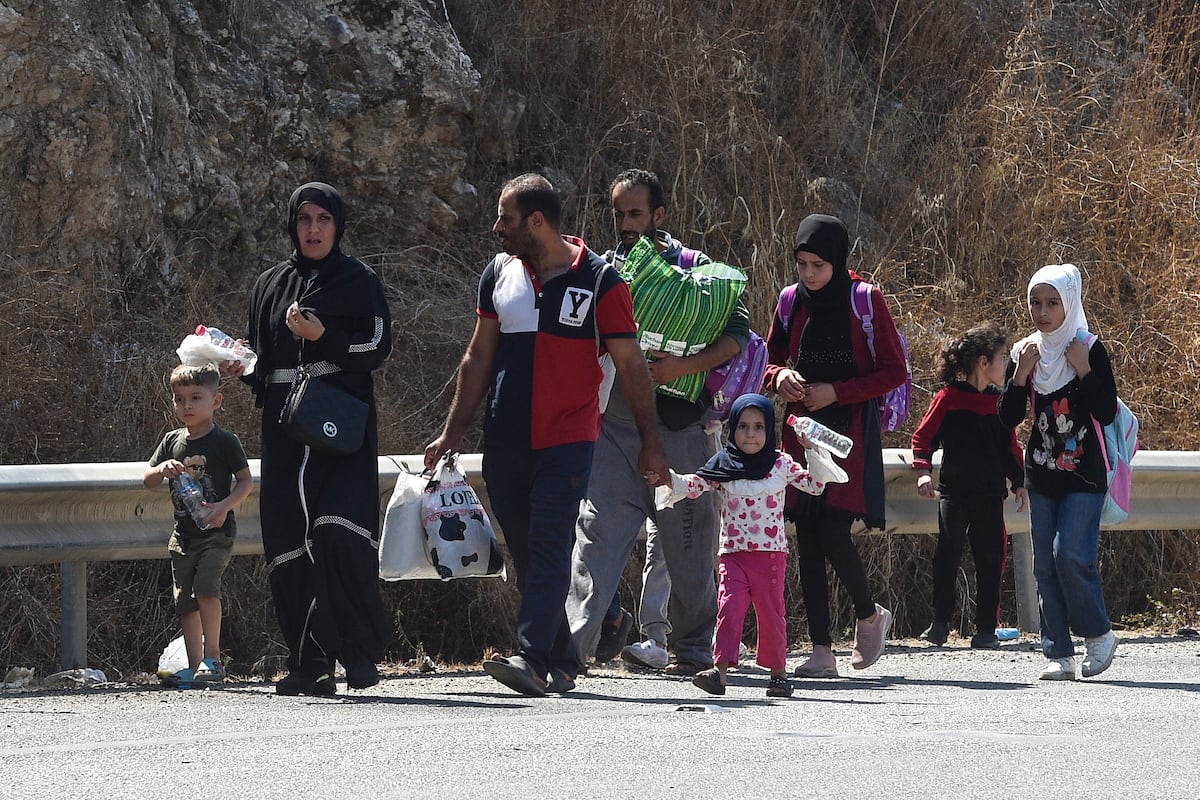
[(320, 512)]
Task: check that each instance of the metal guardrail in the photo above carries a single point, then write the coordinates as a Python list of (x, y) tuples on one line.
[(71, 514)]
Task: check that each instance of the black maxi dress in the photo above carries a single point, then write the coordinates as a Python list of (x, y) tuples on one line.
[(320, 512)]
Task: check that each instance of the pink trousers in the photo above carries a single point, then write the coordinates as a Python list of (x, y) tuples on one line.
[(742, 579)]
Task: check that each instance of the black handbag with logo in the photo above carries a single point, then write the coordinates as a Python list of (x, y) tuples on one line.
[(322, 416)]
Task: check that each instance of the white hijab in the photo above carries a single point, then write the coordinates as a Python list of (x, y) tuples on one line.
[(1053, 371)]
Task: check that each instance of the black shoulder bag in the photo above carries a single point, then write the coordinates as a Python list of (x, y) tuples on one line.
[(324, 417)]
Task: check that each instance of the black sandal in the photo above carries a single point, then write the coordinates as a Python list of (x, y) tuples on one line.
[(710, 681), (779, 686)]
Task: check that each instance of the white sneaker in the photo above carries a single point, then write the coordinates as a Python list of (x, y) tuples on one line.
[(1099, 654), (646, 654), (1059, 669)]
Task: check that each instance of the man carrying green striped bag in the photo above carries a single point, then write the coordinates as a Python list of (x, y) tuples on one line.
[(678, 612)]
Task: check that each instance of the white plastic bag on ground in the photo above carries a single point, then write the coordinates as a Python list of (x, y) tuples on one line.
[(84, 676), (173, 658)]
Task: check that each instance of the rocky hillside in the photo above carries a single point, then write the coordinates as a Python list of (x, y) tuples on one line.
[(149, 150)]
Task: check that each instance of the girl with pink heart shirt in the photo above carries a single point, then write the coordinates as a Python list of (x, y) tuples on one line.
[(752, 476)]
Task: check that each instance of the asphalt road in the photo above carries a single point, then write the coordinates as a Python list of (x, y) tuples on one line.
[(940, 722)]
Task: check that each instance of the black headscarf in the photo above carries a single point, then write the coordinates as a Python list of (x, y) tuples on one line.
[(339, 289), (731, 464), (325, 196), (826, 353)]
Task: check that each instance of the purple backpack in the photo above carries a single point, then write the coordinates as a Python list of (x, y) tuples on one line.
[(739, 375), (894, 405)]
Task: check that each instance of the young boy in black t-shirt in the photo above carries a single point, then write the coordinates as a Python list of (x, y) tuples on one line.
[(215, 460)]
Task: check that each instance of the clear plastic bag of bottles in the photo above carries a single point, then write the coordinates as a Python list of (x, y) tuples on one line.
[(208, 345)]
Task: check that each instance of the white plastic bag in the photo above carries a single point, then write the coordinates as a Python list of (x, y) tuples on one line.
[(201, 348), (822, 467), (173, 658), (402, 545), (459, 538)]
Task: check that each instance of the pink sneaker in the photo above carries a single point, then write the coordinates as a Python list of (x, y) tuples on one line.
[(870, 638), (818, 665)]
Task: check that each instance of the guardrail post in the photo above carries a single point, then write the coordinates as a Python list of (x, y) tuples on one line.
[(74, 614), (1028, 614)]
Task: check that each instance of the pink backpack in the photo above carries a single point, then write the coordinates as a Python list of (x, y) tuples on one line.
[(894, 405)]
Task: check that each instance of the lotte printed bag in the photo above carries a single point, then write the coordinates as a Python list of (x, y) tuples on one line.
[(437, 528)]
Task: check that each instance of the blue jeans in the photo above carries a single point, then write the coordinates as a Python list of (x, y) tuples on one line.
[(535, 495), (1066, 544)]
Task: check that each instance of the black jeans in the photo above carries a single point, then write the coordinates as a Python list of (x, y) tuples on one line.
[(980, 521)]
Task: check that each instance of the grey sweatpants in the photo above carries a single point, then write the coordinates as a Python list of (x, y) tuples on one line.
[(618, 503)]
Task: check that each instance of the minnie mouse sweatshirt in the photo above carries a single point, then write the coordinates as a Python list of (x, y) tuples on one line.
[(1063, 455)]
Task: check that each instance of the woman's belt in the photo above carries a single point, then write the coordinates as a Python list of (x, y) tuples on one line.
[(315, 370)]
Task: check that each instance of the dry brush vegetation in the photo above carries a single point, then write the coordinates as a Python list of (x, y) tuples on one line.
[(965, 144)]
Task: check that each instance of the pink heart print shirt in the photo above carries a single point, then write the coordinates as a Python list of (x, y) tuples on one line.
[(752, 511)]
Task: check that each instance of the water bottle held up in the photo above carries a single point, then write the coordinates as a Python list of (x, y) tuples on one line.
[(820, 435), (216, 336), (210, 345), (193, 499)]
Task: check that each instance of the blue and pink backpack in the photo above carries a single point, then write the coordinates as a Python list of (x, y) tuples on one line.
[(894, 405), (1118, 444)]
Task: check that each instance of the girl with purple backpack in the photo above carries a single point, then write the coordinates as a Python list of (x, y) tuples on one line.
[(823, 365)]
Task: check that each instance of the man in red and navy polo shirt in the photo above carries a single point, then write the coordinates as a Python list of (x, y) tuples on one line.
[(544, 303)]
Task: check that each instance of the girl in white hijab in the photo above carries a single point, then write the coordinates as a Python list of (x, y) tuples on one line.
[(1067, 378), (1053, 370)]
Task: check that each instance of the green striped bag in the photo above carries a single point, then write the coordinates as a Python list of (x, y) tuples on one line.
[(679, 311)]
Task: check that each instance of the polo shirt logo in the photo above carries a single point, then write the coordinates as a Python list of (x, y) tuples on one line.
[(575, 306)]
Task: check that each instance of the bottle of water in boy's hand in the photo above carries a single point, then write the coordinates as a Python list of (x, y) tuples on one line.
[(821, 435), (193, 499)]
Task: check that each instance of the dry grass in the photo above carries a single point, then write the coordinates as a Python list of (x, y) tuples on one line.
[(965, 145)]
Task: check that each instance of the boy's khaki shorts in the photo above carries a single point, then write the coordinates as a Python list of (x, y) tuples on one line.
[(197, 564)]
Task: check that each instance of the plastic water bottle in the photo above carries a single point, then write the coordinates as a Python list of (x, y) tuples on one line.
[(193, 499), (821, 435), (216, 336)]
